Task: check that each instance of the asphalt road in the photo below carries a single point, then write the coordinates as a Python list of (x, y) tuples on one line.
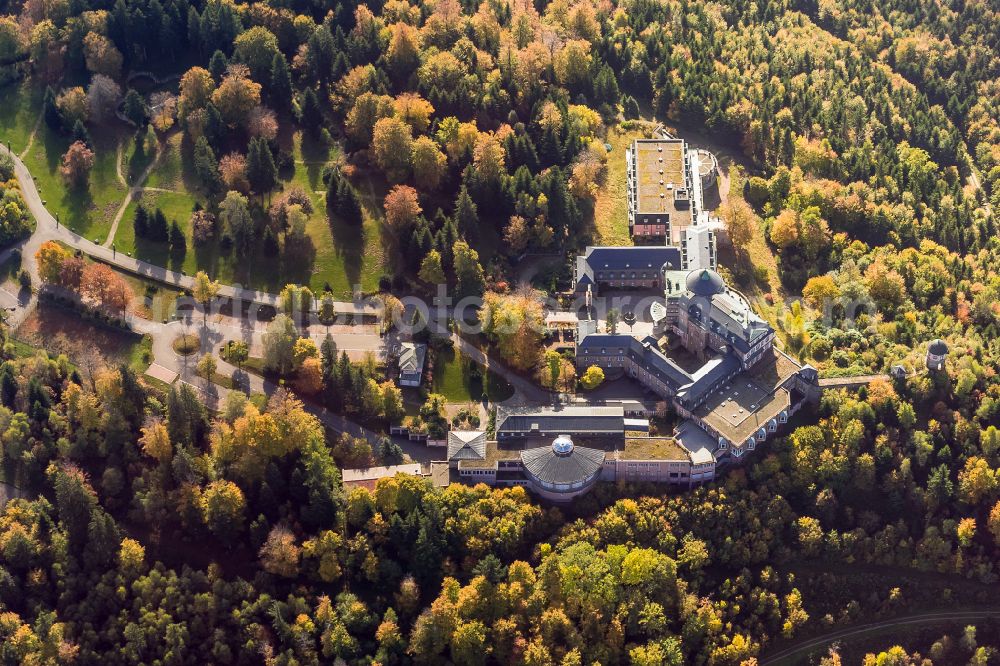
[(802, 649)]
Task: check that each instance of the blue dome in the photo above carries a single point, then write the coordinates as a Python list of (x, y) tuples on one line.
[(562, 445)]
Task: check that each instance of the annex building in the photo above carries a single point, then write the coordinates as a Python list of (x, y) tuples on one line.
[(563, 467), (719, 368)]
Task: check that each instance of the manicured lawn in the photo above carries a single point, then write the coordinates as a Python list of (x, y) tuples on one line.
[(153, 300), (19, 112), (611, 206), (176, 206), (137, 155), (9, 268), (87, 211), (343, 256), (452, 379), (169, 172)]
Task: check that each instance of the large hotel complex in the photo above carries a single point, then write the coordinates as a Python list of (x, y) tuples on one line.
[(709, 356)]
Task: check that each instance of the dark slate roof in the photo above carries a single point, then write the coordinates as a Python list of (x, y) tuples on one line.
[(570, 419), (644, 352), (938, 347), (581, 464), (705, 282), (622, 258), (727, 314), (708, 377)]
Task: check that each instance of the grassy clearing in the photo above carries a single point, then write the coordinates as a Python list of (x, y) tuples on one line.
[(225, 381), (343, 256), (9, 268), (153, 300), (19, 113), (63, 330), (611, 206), (176, 206), (138, 152), (88, 211), (453, 378), (170, 172)]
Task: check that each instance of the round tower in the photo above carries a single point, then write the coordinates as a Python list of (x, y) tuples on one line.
[(937, 352)]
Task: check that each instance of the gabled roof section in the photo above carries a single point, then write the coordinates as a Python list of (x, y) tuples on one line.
[(726, 313), (645, 352), (411, 357), (644, 259), (466, 445)]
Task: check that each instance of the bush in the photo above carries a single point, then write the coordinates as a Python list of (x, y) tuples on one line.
[(6, 166)]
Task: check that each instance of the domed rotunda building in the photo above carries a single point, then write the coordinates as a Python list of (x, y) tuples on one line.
[(563, 470)]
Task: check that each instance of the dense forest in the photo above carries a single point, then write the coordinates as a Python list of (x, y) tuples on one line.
[(161, 533)]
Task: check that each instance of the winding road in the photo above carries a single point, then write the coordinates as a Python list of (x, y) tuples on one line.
[(211, 332), (217, 327), (789, 654)]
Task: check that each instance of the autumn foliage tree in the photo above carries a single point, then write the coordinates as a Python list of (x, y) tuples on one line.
[(402, 207), (77, 163), (106, 288), (516, 322), (392, 144)]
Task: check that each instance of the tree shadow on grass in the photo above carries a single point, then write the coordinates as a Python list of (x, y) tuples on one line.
[(349, 242), (153, 252), (315, 154), (143, 152), (298, 258), (78, 202)]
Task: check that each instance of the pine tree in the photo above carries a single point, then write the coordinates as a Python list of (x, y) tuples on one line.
[(217, 66), (466, 213), (550, 151), (420, 244), (51, 112), (261, 171), (311, 116), (281, 84), (8, 386), (134, 108), (445, 239), (80, 133), (630, 108), (215, 126), (206, 167), (606, 87), (342, 199)]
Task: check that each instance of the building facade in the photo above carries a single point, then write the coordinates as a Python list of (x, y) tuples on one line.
[(742, 389), (561, 470)]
